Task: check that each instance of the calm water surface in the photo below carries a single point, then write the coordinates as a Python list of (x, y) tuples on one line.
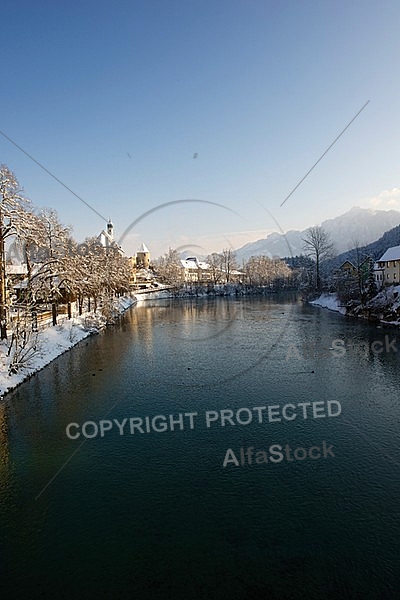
[(157, 515)]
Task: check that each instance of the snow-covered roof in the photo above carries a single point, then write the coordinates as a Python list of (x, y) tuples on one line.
[(107, 240), (104, 237), (391, 254), (193, 263), (143, 248)]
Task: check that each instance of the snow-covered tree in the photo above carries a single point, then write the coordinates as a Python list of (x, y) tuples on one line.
[(50, 254), (99, 274), (58, 269), (228, 263), (168, 267), (13, 210)]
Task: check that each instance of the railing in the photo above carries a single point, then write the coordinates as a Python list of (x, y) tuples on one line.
[(40, 319)]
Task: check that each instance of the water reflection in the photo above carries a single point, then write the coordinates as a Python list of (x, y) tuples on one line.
[(123, 504)]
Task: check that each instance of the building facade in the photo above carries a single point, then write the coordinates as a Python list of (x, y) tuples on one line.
[(387, 268)]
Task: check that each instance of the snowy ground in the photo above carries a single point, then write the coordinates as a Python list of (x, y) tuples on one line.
[(51, 342), (384, 307), (329, 301), (142, 296)]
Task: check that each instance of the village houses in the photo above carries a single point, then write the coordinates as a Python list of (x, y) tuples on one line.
[(198, 271)]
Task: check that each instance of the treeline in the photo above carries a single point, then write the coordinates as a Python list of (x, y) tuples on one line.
[(58, 269), (223, 269)]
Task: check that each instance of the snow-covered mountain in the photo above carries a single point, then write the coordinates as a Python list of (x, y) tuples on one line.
[(361, 225)]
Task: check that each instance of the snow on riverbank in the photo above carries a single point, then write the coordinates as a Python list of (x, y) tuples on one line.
[(142, 296), (329, 301), (49, 343), (383, 308)]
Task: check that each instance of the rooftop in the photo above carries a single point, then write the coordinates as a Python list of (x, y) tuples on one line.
[(193, 263), (143, 248), (391, 254)]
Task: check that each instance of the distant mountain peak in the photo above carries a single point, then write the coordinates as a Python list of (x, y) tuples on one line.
[(362, 225)]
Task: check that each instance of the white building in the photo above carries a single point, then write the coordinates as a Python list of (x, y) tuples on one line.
[(106, 238), (387, 268), (198, 271)]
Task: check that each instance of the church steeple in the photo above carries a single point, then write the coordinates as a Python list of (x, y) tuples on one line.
[(110, 229)]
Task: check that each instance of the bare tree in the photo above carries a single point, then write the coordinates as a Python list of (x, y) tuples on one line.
[(24, 343), (214, 262), (318, 245), (228, 263)]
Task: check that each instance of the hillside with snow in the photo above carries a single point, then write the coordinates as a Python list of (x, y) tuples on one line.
[(360, 225)]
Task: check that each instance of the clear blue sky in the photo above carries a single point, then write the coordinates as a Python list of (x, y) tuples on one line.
[(116, 98)]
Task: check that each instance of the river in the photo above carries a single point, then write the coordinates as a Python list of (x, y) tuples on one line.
[(190, 496)]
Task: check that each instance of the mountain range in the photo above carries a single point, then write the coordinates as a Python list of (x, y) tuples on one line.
[(374, 250), (357, 226)]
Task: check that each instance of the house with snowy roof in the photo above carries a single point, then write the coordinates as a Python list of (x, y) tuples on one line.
[(198, 271), (387, 268), (194, 270)]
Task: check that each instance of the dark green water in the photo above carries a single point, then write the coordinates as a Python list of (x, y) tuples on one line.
[(157, 515)]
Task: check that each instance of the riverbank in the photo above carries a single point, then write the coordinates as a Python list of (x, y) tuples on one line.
[(42, 347), (196, 290), (382, 308), (329, 301)]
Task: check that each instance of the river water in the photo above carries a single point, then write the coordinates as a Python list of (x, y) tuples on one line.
[(167, 509)]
